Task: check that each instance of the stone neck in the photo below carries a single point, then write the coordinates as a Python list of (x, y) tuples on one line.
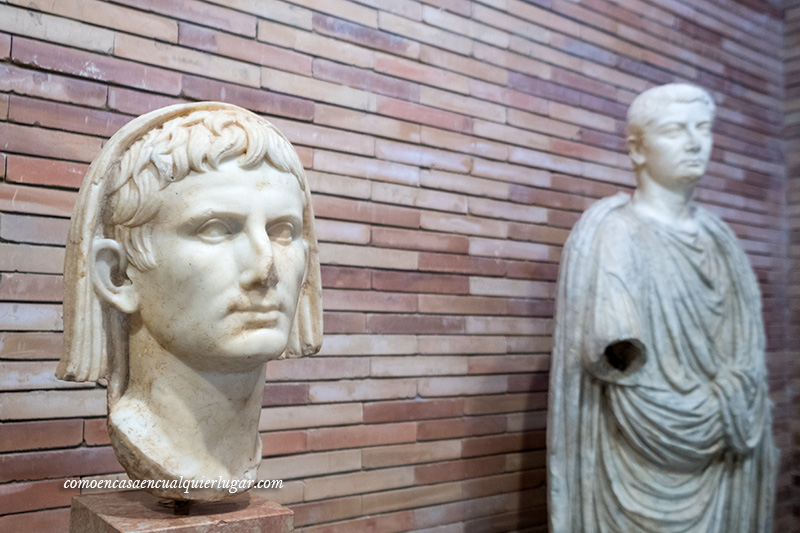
[(673, 207), (208, 419)]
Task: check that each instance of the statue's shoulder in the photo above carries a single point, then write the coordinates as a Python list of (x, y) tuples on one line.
[(607, 216)]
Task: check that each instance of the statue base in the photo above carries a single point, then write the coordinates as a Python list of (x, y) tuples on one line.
[(138, 511)]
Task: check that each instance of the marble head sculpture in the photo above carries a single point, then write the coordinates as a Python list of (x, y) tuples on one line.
[(191, 261), (659, 415)]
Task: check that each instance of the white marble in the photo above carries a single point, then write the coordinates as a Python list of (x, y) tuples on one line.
[(659, 415), (191, 262)]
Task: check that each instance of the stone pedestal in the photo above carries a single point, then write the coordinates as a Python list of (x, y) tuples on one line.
[(141, 512)]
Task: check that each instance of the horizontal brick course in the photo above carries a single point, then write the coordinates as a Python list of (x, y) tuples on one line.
[(450, 146)]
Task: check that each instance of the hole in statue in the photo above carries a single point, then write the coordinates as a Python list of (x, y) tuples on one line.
[(621, 354)]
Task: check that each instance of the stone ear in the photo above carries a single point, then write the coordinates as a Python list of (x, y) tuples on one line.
[(635, 151), (108, 264)]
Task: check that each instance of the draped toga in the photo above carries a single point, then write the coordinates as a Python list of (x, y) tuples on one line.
[(671, 432)]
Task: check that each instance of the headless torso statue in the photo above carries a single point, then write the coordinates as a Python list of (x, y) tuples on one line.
[(191, 262), (659, 416)]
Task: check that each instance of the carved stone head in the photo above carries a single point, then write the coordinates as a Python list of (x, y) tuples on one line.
[(669, 134), (191, 262)]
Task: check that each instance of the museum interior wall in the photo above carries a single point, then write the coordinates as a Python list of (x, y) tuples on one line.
[(450, 146)]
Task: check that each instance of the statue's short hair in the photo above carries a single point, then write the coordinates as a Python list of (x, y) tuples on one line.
[(118, 198), (648, 105)]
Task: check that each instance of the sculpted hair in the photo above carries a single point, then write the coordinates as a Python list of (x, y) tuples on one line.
[(648, 105), (118, 199), (198, 142)]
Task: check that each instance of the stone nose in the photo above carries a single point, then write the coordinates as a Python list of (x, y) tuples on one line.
[(259, 262)]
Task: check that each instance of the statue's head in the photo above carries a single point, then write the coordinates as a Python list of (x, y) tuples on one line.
[(195, 225), (668, 132)]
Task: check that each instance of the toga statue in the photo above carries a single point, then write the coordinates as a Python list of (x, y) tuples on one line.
[(659, 416), (191, 261)]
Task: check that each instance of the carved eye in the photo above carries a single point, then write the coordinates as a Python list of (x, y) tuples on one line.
[(214, 230), (704, 128), (282, 233)]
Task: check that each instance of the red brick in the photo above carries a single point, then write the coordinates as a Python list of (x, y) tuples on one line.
[(346, 278), (508, 97), (321, 137), (463, 224), (344, 322), (341, 208), (48, 143), (5, 46), (33, 466), (417, 197), (21, 497), (530, 307), (462, 264), (465, 65), (493, 444), (463, 305), (414, 324), (457, 470), (258, 100), (537, 233), (95, 432), (463, 143), (30, 345), (285, 394), (3, 110), (508, 364), (366, 123), (511, 173), (363, 35), (19, 198), (50, 520), (36, 230), (19, 436), (397, 411), (544, 160), (532, 270), (30, 287), (412, 70), (201, 13), (416, 155), (284, 442), (423, 114), (511, 482), (65, 117), (317, 369), (528, 382), (326, 510), (246, 49), (402, 521), (413, 282), (51, 86), (344, 300), (460, 427), (94, 66), (23, 169), (504, 403), (361, 436), (418, 240), (136, 102), (365, 168)]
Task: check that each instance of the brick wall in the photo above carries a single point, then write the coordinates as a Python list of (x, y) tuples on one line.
[(792, 122), (450, 145)]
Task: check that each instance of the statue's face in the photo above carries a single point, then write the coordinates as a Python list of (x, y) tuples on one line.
[(675, 148), (231, 261)]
